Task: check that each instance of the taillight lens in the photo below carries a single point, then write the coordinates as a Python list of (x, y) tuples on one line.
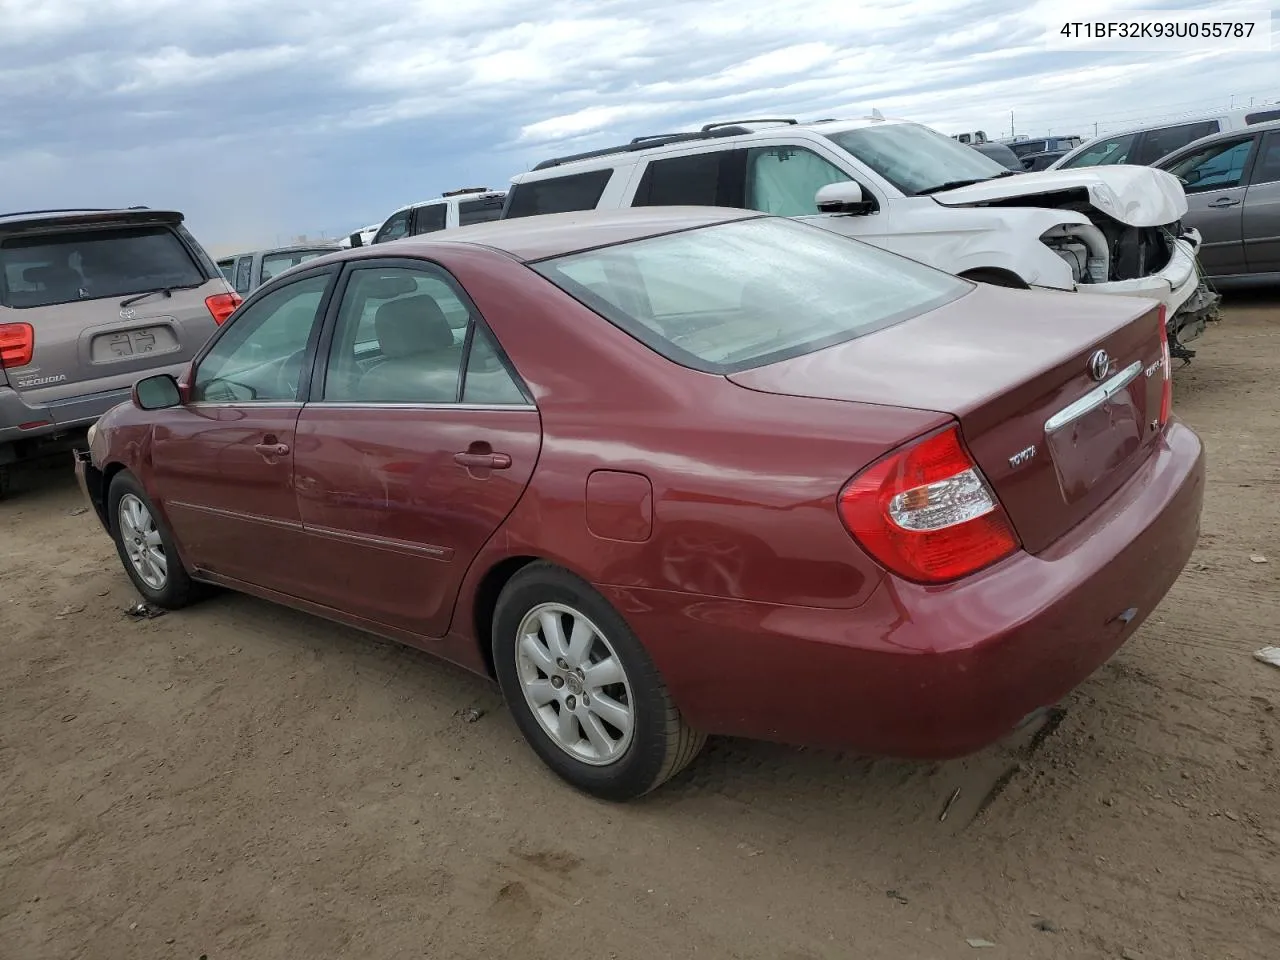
[(1166, 371), (926, 513), (222, 305), (17, 344)]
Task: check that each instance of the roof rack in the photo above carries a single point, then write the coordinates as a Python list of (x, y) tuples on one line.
[(462, 190), (646, 143), (707, 128), (32, 213)]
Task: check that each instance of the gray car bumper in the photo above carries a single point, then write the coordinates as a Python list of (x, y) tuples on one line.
[(21, 422)]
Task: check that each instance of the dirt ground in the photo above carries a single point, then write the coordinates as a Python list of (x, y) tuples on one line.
[(241, 782)]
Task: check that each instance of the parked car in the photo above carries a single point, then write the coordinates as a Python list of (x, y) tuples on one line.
[(914, 191), (665, 482), (248, 271), (1041, 161), (90, 300), (1232, 181), (1146, 144), (455, 208), (1000, 154)]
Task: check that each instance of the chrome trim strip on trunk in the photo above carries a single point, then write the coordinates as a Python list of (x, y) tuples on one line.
[(1094, 398)]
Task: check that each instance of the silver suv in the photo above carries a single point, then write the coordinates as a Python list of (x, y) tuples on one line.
[(90, 302)]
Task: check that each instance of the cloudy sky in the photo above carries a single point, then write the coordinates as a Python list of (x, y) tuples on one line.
[(263, 119)]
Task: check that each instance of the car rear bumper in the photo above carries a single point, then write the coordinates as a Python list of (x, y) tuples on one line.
[(933, 672), (22, 421)]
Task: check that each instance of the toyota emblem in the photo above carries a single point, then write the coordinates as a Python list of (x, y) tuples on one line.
[(1099, 365), (128, 313)]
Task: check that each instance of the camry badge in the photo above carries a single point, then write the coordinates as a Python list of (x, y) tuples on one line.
[(1099, 365), (1022, 457)]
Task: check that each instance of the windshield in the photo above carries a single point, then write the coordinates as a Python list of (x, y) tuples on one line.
[(914, 158), (737, 295), (42, 270)]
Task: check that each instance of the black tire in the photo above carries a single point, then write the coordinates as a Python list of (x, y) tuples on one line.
[(661, 744), (177, 588), (996, 278)]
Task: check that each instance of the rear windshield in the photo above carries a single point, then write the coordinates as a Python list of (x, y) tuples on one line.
[(737, 295), (274, 264), (38, 271)]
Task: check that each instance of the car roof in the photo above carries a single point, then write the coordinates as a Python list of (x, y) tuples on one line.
[(557, 234), (85, 217), (289, 248), (726, 135)]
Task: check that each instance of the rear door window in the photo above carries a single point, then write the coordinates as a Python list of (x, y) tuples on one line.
[(480, 211), (1266, 169), (714, 179), (1102, 152), (39, 271), (429, 218), (274, 264), (1162, 142), (579, 191)]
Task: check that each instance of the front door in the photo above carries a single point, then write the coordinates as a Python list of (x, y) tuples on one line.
[(1262, 209), (223, 462), (416, 445), (1214, 180)]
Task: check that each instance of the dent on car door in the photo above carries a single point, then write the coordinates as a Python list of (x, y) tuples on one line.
[(1214, 180), (417, 443), (1261, 216), (223, 462)]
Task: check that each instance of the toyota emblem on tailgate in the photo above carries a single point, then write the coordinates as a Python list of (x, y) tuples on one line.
[(1099, 365)]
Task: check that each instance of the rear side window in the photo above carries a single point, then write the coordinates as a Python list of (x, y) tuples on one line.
[(1102, 152), (715, 179), (244, 274), (1262, 116), (1162, 142), (274, 264), (429, 218), (479, 211), (42, 270), (701, 299), (1266, 169), (580, 191)]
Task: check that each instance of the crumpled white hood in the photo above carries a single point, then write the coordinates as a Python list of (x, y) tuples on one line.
[(1138, 196)]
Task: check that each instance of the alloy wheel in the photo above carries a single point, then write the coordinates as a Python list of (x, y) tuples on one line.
[(142, 542)]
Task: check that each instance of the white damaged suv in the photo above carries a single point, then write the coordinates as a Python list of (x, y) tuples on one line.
[(907, 188)]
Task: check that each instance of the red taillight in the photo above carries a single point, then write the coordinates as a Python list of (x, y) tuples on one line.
[(1166, 371), (222, 305), (17, 344), (926, 513)]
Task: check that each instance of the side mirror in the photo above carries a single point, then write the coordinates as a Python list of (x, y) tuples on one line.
[(843, 197), (157, 393), (356, 240)]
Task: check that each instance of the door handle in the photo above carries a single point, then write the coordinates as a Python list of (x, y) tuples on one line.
[(272, 449), (483, 461), (1223, 202)]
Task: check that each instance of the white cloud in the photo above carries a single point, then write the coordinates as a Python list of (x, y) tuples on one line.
[(361, 105)]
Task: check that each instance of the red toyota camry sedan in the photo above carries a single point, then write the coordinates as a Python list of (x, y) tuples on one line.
[(666, 473)]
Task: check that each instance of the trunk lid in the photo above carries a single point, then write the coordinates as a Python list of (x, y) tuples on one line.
[(1014, 368), (1137, 196)]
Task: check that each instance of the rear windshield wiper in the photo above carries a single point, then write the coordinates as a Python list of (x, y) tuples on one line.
[(957, 184), (167, 291)]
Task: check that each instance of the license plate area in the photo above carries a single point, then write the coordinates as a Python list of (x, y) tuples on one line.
[(1089, 440), (141, 342)]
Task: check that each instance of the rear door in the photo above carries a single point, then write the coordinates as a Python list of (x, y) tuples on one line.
[(222, 464), (1214, 178), (1261, 217), (107, 305), (417, 443)]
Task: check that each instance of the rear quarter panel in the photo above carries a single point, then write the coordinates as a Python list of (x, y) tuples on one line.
[(744, 485)]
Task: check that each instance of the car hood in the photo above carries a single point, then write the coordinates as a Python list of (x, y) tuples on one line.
[(1137, 196)]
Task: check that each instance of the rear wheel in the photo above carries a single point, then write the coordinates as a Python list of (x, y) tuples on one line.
[(145, 545), (582, 689)]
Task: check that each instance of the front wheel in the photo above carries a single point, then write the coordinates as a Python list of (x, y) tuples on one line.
[(145, 545), (582, 689)]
